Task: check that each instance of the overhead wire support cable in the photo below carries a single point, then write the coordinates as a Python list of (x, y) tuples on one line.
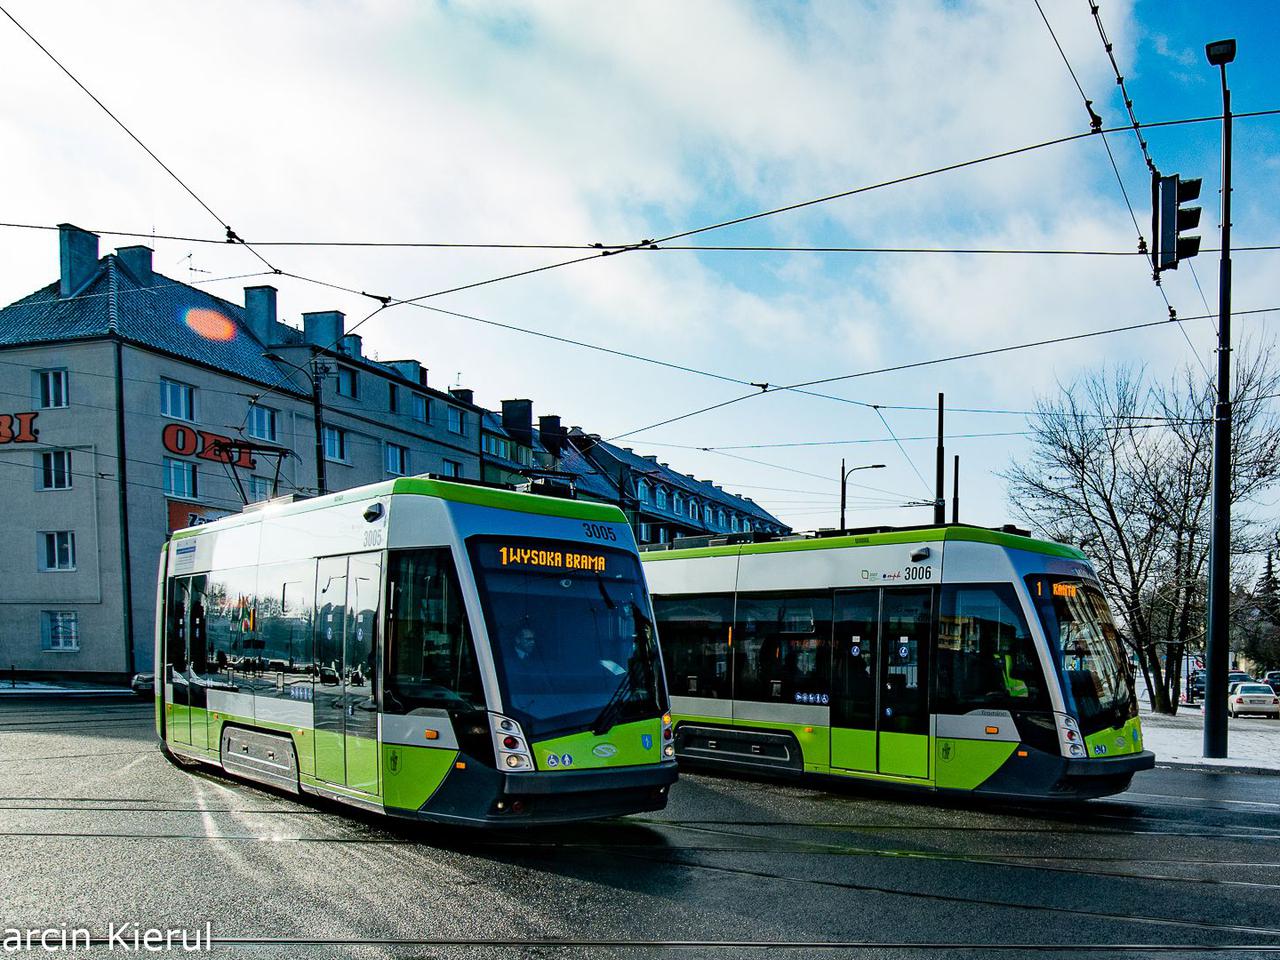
[(916, 364), (231, 235), (1109, 48)]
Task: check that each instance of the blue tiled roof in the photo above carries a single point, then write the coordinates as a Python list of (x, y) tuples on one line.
[(163, 314), (689, 486)]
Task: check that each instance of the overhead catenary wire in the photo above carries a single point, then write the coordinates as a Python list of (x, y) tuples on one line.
[(690, 248), (1096, 121), (916, 364), (231, 236)]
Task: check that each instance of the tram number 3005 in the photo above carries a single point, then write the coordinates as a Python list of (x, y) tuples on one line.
[(918, 572), (598, 531)]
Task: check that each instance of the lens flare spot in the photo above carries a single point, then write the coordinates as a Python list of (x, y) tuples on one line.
[(211, 324)]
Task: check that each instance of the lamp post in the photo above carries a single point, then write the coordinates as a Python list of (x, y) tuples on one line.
[(316, 371), (844, 478), (1217, 647)]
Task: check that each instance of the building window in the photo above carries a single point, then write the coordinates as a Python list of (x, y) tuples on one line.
[(335, 444), (397, 460), (55, 470), (177, 400), (348, 382), (677, 503), (456, 423), (720, 518), (59, 630), (733, 523), (262, 423), (52, 388), (259, 489), (452, 468), (643, 493), (662, 498), (421, 409), (179, 478), (393, 398), (693, 510), (58, 550)]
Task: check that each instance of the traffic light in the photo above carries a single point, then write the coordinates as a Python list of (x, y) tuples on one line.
[(1170, 219)]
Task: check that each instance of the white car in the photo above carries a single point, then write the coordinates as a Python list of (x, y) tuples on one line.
[(1254, 698)]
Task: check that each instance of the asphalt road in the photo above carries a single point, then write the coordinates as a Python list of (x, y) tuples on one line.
[(97, 827)]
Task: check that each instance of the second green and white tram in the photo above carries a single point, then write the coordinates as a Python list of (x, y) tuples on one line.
[(421, 648), (943, 658)]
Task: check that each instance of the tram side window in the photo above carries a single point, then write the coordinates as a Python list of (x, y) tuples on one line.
[(986, 658), (694, 635), (232, 624), (283, 617), (782, 648), (431, 659)]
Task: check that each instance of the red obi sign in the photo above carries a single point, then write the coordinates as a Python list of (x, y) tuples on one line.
[(18, 428), (188, 441)]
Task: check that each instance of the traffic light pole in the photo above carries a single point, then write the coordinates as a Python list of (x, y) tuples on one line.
[(1217, 652)]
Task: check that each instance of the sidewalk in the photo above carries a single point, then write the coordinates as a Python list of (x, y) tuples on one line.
[(1253, 744), (67, 688)]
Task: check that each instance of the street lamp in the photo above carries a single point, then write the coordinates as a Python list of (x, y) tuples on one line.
[(844, 479), (316, 372), (1220, 53)]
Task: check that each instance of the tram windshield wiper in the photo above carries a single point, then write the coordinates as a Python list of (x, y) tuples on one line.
[(612, 711)]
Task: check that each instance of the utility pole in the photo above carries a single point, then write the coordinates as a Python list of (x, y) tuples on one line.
[(955, 489), (1217, 652), (940, 481), (843, 490), (317, 409)]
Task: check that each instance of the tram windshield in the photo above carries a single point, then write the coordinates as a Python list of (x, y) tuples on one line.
[(1096, 679), (572, 633)]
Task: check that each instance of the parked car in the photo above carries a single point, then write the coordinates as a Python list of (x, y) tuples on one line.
[(1271, 676), (144, 684), (1238, 676), (1255, 698)]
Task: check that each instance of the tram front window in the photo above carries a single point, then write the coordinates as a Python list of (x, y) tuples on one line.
[(1085, 645), (572, 634)]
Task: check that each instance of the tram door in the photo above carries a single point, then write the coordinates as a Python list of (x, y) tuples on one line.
[(344, 705), (185, 661), (880, 682)]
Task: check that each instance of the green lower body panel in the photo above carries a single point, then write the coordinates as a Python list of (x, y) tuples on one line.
[(966, 764), (853, 749), (412, 775), (904, 755), (330, 756), (362, 764)]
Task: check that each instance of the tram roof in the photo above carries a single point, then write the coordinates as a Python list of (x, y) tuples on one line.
[(471, 493), (928, 534)]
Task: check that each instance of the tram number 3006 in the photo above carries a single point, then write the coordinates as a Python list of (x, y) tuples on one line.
[(918, 572)]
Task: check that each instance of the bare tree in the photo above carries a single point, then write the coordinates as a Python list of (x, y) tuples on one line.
[(1123, 466)]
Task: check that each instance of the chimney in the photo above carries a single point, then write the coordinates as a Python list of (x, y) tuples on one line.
[(324, 328), (552, 434), (351, 345), (77, 257), (137, 259), (652, 458), (517, 420), (411, 370), (463, 394), (260, 313)]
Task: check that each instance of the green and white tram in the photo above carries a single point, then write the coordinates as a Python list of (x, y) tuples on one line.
[(944, 658), (421, 648)]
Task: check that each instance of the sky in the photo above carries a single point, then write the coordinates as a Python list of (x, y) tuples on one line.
[(490, 122)]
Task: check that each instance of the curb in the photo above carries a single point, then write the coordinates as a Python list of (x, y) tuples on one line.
[(1216, 768), (33, 693)]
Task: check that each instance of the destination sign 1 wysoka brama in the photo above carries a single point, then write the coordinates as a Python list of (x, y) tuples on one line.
[(548, 558)]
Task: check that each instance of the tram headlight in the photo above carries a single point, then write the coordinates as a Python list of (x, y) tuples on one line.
[(516, 761), (669, 751)]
